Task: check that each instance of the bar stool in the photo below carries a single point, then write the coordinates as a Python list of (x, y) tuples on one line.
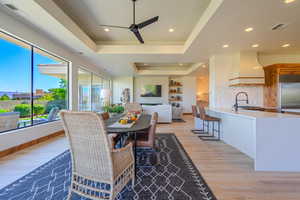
[(199, 124), (209, 135)]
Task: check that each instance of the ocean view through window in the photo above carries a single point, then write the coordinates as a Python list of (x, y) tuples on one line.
[(33, 84)]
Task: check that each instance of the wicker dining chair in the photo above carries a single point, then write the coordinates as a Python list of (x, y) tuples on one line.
[(98, 170)]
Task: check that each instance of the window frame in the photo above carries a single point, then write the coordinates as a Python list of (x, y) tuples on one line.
[(91, 86), (32, 48)]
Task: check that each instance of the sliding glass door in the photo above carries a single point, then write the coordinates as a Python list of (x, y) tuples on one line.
[(84, 90), (89, 91), (97, 86)]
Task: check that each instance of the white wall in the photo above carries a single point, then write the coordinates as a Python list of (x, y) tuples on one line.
[(266, 59), (119, 84), (189, 89), (26, 32), (140, 81), (17, 137), (220, 94), (189, 93)]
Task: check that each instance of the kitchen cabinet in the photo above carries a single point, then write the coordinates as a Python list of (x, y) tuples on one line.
[(272, 86)]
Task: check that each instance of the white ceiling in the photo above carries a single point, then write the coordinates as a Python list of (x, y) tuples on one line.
[(223, 22), (180, 15), (163, 66)]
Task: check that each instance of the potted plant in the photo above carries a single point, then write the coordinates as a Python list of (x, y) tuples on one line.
[(114, 110)]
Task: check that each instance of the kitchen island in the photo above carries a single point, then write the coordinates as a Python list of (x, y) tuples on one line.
[(271, 139)]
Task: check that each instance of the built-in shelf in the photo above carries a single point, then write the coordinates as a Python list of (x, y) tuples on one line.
[(175, 92)]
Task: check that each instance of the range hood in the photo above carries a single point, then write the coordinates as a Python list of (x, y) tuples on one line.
[(246, 70)]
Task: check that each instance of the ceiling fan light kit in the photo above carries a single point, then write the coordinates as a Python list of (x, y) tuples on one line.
[(134, 28)]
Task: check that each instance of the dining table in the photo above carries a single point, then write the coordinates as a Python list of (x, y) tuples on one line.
[(142, 124)]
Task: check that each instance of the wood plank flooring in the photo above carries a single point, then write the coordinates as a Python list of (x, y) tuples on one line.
[(228, 172)]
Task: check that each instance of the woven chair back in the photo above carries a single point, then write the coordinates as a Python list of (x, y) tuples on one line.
[(90, 148)]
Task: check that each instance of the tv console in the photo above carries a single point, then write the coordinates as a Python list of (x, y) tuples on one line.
[(150, 104), (164, 112)]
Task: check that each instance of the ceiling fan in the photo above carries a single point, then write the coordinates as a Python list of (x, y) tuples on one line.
[(136, 27)]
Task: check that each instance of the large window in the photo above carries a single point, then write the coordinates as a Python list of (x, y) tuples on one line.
[(89, 91), (84, 89), (33, 84), (96, 93), (49, 86)]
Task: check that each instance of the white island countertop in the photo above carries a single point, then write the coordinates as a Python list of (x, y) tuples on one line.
[(253, 114), (271, 139)]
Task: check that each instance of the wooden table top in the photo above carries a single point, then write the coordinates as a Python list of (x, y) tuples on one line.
[(144, 122)]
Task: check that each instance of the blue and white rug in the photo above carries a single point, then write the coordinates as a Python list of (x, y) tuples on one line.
[(173, 177)]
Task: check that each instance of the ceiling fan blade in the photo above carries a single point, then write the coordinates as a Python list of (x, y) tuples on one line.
[(148, 22), (112, 26), (138, 36)]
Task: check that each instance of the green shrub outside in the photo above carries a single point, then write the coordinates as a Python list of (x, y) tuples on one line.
[(4, 97), (38, 109), (24, 109), (3, 111)]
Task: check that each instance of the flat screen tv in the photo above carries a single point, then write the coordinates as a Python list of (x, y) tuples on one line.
[(151, 91)]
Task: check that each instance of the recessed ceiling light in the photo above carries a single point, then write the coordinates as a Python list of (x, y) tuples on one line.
[(203, 66), (249, 29), (288, 1), (106, 29), (255, 45), (285, 45), (171, 30), (225, 46)]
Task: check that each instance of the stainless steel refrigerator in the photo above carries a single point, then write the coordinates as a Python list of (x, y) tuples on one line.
[(289, 97)]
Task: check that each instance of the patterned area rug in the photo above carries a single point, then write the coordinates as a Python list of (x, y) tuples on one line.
[(173, 177)]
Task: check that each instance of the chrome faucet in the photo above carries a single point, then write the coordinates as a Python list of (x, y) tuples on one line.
[(237, 100)]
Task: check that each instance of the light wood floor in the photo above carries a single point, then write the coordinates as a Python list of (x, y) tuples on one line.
[(228, 172)]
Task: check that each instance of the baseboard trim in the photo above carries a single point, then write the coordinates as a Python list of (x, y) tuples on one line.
[(29, 144)]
